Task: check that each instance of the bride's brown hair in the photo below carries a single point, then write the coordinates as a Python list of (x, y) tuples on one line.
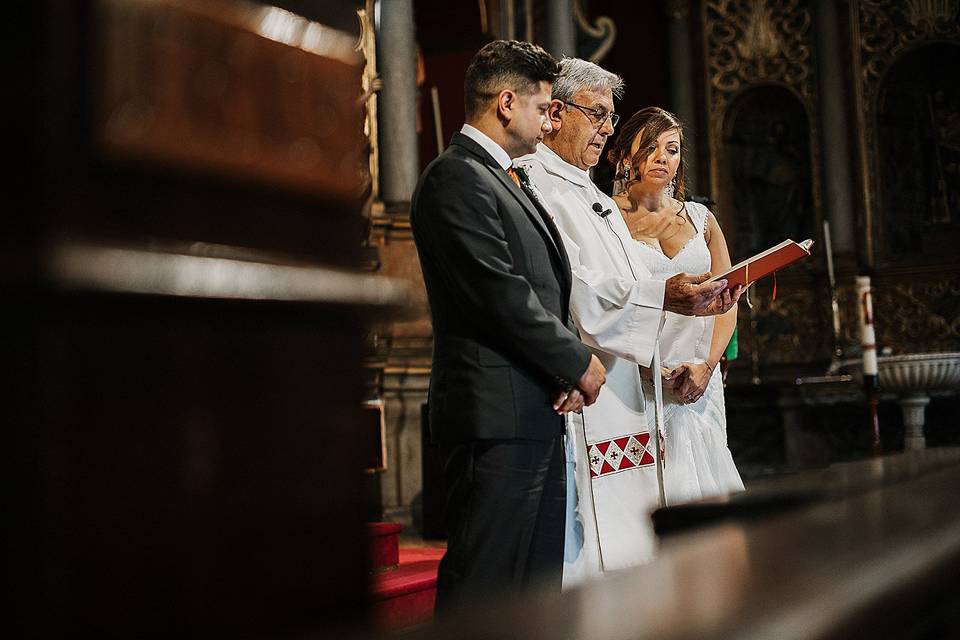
[(652, 122)]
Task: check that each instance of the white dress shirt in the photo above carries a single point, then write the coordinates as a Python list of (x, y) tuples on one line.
[(491, 147)]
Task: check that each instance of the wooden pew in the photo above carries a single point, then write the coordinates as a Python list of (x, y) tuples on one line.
[(882, 561)]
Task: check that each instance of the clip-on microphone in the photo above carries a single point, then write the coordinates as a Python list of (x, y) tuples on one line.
[(599, 210)]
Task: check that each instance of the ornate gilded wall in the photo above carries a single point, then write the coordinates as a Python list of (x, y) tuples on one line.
[(748, 45), (884, 32), (917, 296), (751, 46), (916, 312)]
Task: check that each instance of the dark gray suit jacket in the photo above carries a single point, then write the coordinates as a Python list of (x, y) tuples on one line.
[(498, 281)]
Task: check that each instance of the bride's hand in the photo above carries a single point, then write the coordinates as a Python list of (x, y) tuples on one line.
[(667, 375), (691, 381), (662, 225)]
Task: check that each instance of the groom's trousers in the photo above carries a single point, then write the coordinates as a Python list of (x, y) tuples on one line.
[(505, 518)]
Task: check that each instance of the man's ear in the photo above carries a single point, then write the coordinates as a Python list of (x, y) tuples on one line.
[(553, 112), (506, 100)]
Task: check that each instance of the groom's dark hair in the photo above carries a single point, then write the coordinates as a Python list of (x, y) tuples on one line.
[(505, 64)]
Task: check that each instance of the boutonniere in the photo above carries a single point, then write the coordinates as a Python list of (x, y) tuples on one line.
[(522, 174), (532, 191)]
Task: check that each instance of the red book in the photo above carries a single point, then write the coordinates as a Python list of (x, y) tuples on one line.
[(765, 263)]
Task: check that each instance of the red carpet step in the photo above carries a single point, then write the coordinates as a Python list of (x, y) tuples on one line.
[(384, 544), (403, 591)]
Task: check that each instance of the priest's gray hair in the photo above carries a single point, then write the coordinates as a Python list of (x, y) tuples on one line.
[(578, 75)]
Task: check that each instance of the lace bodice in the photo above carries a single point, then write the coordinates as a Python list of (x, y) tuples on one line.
[(694, 257), (684, 339)]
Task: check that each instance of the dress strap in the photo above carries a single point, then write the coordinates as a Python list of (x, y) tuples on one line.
[(698, 214)]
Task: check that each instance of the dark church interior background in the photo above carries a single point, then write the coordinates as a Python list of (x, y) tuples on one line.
[(781, 138)]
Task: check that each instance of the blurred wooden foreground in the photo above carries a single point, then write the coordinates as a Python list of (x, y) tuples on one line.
[(185, 313)]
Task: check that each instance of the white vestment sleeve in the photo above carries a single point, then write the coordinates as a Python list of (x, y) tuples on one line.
[(614, 301), (615, 314)]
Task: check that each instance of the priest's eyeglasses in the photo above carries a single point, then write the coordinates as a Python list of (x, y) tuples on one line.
[(597, 116)]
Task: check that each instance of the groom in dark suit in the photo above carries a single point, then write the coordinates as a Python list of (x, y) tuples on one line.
[(507, 361)]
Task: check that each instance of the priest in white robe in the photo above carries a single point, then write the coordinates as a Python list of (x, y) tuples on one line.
[(618, 310)]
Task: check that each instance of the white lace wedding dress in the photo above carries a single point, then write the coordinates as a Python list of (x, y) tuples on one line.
[(697, 461)]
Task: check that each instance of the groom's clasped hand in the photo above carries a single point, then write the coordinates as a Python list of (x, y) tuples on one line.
[(586, 391)]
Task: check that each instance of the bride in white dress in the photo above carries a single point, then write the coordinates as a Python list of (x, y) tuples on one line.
[(674, 237)]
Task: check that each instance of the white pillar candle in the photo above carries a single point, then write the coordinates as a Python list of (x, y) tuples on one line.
[(868, 340)]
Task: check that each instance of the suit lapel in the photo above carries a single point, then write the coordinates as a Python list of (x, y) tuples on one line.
[(555, 235), (541, 217), (527, 202), (522, 198), (535, 211)]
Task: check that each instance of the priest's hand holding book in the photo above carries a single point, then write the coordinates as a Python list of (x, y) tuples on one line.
[(699, 295), (764, 263)]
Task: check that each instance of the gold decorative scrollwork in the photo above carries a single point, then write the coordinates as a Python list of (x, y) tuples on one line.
[(883, 31), (787, 330), (604, 27), (370, 85), (890, 27), (755, 43), (912, 314), (751, 42), (918, 316)]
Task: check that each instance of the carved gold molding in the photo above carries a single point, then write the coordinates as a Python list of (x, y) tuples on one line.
[(751, 42), (788, 330), (755, 43), (916, 316), (913, 313), (370, 85), (603, 27), (888, 28), (884, 30)]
